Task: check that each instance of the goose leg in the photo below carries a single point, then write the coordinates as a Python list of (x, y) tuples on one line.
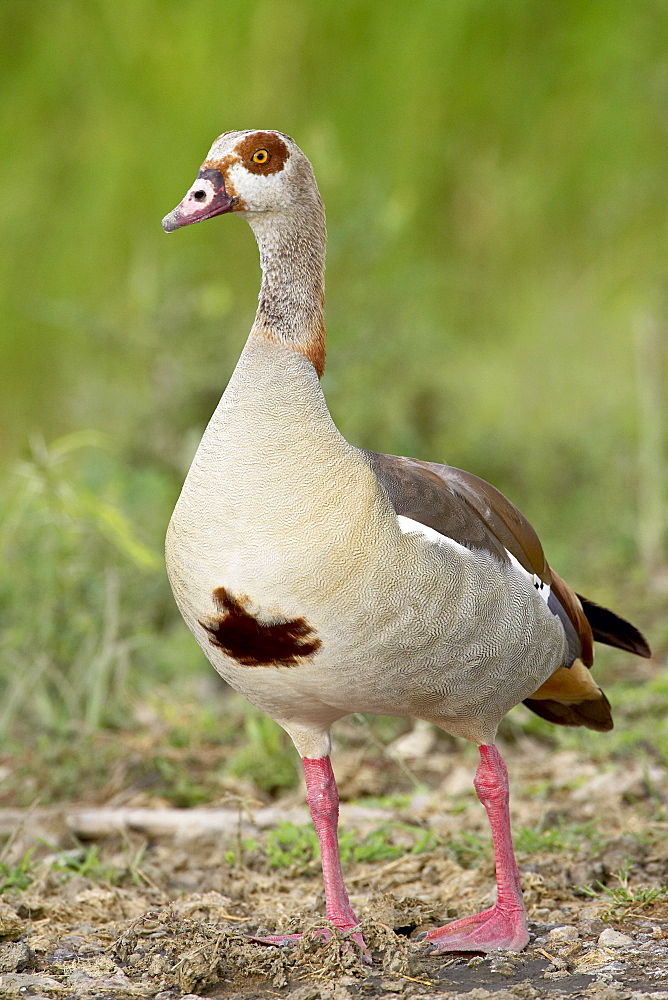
[(323, 800), (503, 925)]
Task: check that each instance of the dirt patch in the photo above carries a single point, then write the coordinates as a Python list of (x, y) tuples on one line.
[(160, 903)]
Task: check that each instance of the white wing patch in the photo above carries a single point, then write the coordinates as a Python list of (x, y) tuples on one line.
[(541, 588), (408, 525)]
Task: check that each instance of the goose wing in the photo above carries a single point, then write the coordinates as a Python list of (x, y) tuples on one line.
[(469, 510)]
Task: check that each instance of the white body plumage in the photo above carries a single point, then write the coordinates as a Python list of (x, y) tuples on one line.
[(279, 508)]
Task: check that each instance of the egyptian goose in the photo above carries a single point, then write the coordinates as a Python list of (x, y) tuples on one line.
[(320, 579)]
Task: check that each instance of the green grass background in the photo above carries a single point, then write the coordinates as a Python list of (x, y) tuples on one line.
[(496, 180)]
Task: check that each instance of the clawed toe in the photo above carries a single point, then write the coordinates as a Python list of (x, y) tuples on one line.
[(276, 940), (286, 940)]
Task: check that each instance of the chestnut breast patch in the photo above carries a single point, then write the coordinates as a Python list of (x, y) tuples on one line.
[(253, 643)]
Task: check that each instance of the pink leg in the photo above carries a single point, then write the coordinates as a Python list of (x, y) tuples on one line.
[(503, 925), (323, 799)]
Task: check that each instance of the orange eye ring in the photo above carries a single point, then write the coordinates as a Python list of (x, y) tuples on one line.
[(260, 156)]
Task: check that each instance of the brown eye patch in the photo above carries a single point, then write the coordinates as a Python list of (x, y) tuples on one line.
[(262, 152)]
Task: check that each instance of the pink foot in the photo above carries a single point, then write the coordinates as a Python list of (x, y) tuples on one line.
[(503, 925), (285, 940), (493, 928)]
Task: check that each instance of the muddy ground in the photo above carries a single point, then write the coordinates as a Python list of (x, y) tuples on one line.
[(166, 903)]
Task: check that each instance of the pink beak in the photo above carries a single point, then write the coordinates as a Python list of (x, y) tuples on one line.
[(206, 198)]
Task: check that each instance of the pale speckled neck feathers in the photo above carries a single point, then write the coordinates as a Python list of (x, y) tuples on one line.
[(292, 255)]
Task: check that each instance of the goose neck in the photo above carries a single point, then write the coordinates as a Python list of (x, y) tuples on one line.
[(291, 303)]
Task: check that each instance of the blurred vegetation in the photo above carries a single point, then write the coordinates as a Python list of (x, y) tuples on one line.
[(296, 847), (495, 179)]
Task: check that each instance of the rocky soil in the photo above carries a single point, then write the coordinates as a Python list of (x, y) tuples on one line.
[(167, 904)]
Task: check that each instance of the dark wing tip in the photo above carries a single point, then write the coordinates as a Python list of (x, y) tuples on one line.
[(612, 630), (593, 713)]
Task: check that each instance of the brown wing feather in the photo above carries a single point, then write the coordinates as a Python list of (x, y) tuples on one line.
[(460, 506), (502, 517)]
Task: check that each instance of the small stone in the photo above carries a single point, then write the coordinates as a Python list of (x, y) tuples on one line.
[(11, 925), (614, 939), (502, 967), (416, 744), (158, 965), (15, 956), (592, 928), (340, 993), (556, 974), (563, 935), (658, 933), (17, 984), (522, 991), (618, 852), (592, 912), (307, 992)]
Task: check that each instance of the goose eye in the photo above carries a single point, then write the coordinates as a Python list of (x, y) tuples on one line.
[(260, 156)]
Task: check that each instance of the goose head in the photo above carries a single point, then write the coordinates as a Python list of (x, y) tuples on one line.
[(246, 173)]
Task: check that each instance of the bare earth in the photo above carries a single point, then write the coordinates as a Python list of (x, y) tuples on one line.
[(189, 890)]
